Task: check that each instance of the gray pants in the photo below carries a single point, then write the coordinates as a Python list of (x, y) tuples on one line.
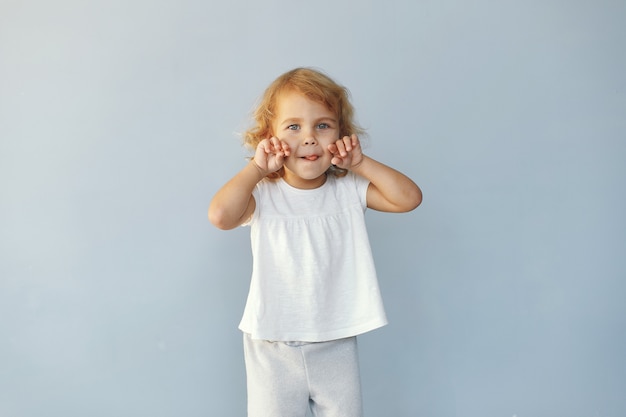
[(286, 378)]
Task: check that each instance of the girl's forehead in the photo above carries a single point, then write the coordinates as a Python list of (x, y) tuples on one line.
[(288, 99)]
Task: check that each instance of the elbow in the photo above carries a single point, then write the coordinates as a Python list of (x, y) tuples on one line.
[(413, 199), (219, 219), (417, 199)]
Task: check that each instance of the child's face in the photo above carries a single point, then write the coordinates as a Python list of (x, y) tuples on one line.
[(308, 127)]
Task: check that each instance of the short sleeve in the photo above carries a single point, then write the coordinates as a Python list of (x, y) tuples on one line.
[(362, 185), (256, 194)]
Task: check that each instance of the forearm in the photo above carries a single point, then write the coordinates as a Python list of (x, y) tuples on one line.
[(232, 202), (390, 190)]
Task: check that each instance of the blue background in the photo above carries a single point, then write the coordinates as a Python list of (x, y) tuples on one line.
[(119, 120)]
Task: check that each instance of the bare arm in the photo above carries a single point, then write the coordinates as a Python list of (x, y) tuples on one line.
[(233, 204), (389, 190)]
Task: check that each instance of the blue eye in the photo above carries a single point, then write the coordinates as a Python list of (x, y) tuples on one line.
[(323, 126), (293, 127)]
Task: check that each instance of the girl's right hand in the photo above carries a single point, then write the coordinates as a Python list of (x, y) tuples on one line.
[(270, 155)]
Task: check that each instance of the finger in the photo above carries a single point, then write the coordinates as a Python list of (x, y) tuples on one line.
[(347, 141), (341, 147), (264, 145), (337, 161), (355, 140), (279, 158), (275, 142), (285, 147), (277, 146)]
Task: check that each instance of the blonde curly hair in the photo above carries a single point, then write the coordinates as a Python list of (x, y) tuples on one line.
[(316, 86)]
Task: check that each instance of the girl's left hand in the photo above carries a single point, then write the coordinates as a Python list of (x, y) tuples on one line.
[(346, 152)]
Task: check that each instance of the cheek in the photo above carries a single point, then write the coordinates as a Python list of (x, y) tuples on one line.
[(328, 138), (331, 141), (287, 136), (291, 140)]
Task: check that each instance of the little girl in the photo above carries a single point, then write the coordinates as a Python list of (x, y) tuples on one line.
[(314, 286)]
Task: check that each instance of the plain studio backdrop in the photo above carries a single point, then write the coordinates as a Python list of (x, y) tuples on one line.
[(119, 120)]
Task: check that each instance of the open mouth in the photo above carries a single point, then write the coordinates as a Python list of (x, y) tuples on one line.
[(310, 157)]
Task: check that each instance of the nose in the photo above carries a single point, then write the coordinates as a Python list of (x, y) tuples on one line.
[(309, 138)]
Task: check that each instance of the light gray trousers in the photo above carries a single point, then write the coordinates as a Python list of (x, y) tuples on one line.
[(286, 378)]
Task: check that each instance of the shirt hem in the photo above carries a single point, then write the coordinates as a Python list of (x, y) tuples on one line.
[(314, 337)]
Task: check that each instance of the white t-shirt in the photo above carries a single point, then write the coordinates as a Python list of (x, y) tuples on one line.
[(313, 276)]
